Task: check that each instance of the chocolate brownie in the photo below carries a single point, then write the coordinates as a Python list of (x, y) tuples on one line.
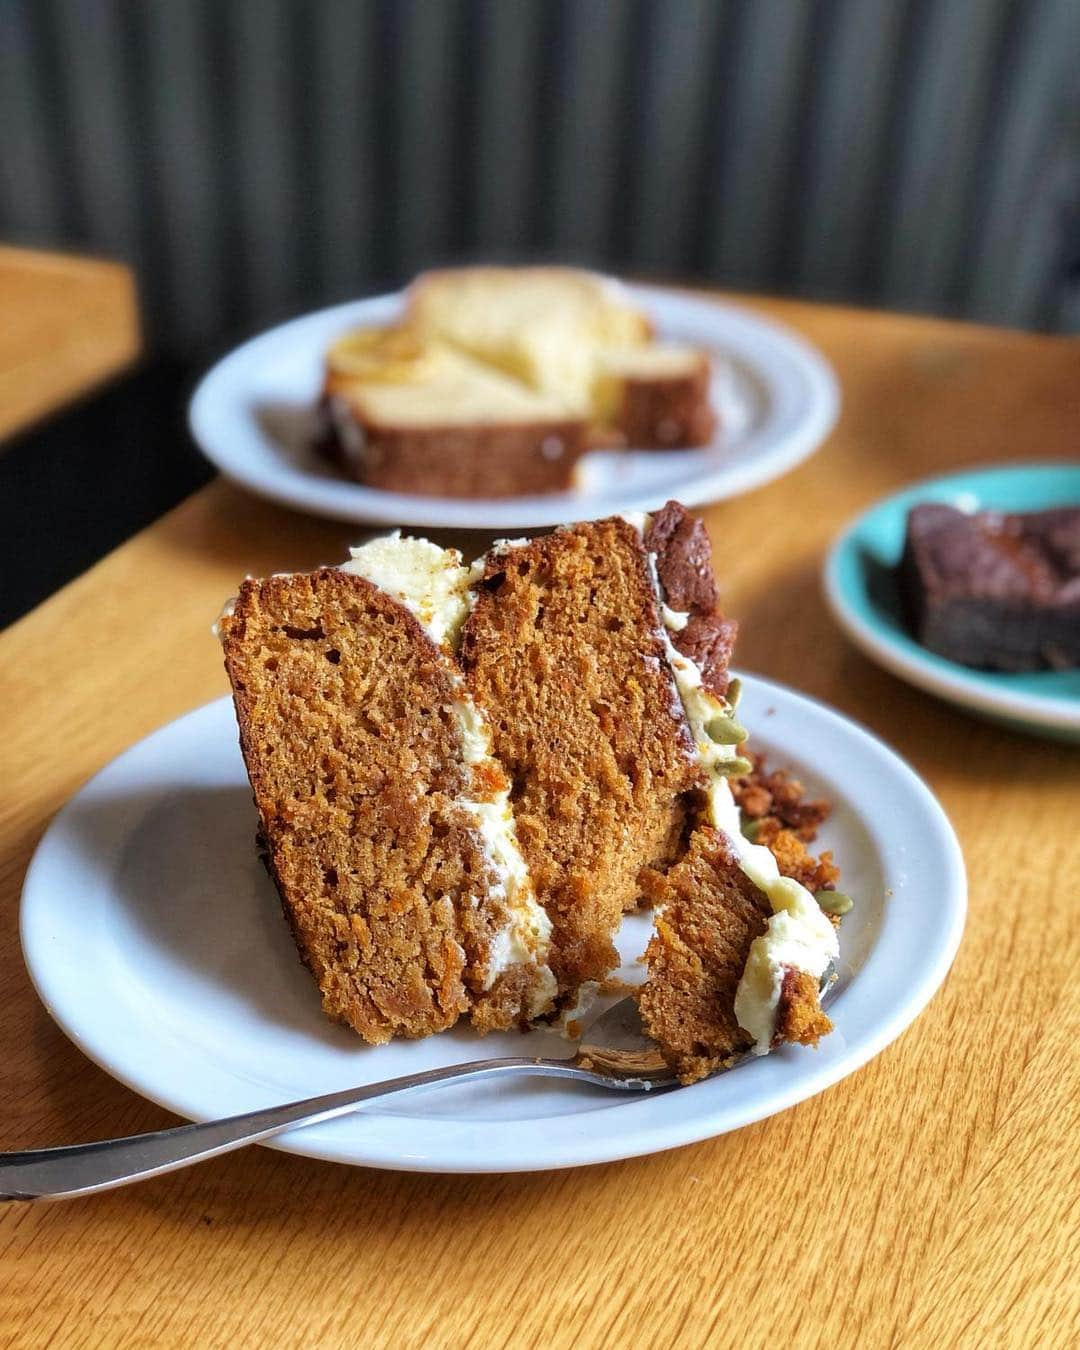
[(1000, 591)]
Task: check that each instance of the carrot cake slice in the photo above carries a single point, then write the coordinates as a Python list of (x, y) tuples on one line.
[(564, 651), (465, 776), (740, 948), (386, 822)]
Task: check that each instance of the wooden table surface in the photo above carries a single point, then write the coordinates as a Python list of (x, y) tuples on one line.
[(67, 324), (929, 1199)]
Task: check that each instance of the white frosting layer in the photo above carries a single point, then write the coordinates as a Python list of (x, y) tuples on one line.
[(527, 937), (429, 581), (639, 520), (570, 1019), (702, 708), (799, 936), (228, 609), (433, 584)]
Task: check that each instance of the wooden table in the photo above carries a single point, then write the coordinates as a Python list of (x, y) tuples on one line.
[(67, 324), (930, 1199)]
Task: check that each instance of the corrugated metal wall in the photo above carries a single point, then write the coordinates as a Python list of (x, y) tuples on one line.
[(256, 157)]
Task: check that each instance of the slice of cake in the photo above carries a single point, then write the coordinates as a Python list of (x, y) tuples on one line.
[(721, 981), (497, 379), (465, 776), (409, 415), (656, 395), (708, 912), (564, 651), (740, 948), (384, 819)]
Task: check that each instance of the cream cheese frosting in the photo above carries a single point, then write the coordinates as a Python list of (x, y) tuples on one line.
[(799, 936), (527, 937), (431, 582)]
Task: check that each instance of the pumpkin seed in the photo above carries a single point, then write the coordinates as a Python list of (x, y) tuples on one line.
[(834, 902), (724, 730)]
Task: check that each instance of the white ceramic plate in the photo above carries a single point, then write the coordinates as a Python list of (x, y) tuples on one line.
[(252, 417), (157, 943)]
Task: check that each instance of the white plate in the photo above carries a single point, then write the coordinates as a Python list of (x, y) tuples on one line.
[(252, 417), (157, 943)]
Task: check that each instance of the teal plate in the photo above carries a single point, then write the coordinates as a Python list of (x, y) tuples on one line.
[(861, 591)]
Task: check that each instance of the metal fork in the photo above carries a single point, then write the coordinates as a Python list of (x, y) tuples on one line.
[(617, 1054)]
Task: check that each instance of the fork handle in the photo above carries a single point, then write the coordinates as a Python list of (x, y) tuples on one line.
[(82, 1169)]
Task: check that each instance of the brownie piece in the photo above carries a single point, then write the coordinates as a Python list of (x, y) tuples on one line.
[(993, 590)]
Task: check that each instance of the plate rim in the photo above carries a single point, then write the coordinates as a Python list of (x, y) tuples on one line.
[(358, 504), (901, 654), (635, 1139)]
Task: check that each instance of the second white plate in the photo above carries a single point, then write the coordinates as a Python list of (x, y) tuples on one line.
[(252, 417), (157, 943)]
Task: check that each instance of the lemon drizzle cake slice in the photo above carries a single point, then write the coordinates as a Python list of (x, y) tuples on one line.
[(403, 412), (496, 380)]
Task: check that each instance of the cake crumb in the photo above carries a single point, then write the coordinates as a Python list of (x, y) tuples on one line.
[(614, 984)]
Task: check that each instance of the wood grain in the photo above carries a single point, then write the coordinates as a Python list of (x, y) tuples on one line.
[(68, 324), (929, 1200)]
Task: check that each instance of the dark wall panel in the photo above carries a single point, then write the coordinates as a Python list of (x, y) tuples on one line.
[(253, 158)]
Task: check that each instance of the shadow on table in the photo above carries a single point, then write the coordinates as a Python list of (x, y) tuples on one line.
[(91, 476)]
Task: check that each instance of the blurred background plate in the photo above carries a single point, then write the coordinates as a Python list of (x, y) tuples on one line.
[(777, 397), (860, 588)]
